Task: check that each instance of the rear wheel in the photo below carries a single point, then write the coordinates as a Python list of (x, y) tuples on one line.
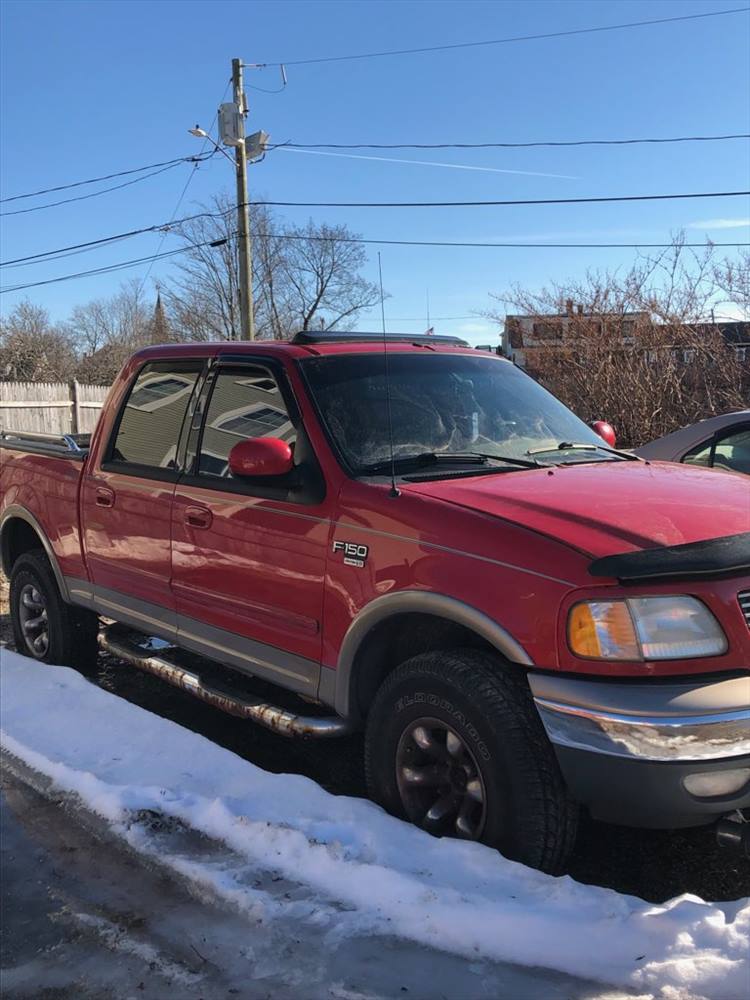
[(44, 626), (454, 744)]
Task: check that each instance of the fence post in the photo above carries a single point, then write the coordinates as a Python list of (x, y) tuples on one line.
[(75, 415)]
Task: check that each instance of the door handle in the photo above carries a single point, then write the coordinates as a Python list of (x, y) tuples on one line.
[(198, 517), (105, 497)]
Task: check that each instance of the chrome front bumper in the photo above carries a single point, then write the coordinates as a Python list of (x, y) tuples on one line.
[(685, 721), (629, 750)]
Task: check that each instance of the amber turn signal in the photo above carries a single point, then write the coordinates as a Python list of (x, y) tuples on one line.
[(603, 630)]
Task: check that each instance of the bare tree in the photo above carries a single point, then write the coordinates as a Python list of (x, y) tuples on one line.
[(303, 276), (32, 349), (637, 349), (106, 331), (732, 278), (320, 277)]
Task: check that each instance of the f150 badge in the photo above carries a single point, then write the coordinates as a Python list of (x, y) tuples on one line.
[(354, 554)]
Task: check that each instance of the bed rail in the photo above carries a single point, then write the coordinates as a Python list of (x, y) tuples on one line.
[(62, 445)]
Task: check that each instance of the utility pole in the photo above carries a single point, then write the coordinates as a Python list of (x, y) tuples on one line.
[(247, 313)]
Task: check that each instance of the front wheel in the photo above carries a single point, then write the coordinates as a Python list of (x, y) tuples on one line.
[(44, 626), (454, 744)]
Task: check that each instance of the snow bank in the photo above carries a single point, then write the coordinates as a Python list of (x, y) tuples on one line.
[(355, 867)]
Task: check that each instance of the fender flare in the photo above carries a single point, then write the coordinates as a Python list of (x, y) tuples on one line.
[(15, 511), (417, 602)]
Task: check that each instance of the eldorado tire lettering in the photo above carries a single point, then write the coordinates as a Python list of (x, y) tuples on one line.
[(435, 701)]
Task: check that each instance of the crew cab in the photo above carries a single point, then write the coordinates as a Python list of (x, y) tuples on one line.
[(418, 540)]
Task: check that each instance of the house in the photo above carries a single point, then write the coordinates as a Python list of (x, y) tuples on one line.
[(526, 336)]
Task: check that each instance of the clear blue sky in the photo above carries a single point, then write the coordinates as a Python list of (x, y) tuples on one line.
[(90, 88)]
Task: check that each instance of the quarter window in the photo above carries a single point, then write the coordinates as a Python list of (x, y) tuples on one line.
[(731, 452), (699, 455)]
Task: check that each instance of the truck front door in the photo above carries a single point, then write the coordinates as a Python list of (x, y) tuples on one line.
[(248, 555)]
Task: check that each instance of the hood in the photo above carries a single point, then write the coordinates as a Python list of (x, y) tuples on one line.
[(611, 507)]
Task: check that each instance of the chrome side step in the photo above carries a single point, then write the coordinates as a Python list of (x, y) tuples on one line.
[(114, 641)]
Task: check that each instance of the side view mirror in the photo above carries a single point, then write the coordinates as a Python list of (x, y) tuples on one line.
[(605, 431), (265, 456)]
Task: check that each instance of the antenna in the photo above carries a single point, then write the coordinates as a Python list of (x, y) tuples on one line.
[(394, 490)]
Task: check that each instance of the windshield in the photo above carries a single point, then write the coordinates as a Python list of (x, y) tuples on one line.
[(441, 403)]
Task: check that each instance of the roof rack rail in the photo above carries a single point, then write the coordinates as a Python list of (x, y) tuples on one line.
[(345, 337)]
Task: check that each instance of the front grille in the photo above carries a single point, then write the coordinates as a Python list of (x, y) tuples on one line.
[(744, 598)]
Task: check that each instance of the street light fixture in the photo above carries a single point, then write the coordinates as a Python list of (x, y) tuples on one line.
[(200, 133)]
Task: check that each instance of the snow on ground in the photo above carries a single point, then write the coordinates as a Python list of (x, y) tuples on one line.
[(358, 870)]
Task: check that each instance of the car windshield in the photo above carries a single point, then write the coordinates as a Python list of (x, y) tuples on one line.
[(442, 403)]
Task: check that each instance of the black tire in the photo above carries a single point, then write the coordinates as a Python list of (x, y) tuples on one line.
[(526, 810), (71, 633)]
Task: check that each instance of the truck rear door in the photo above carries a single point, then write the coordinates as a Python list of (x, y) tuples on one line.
[(126, 501)]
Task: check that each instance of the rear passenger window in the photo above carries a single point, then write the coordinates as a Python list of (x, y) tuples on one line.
[(245, 403), (152, 418)]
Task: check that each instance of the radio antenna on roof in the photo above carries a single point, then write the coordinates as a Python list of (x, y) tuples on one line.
[(394, 490)]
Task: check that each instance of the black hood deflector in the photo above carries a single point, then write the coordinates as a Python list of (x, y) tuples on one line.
[(708, 558)]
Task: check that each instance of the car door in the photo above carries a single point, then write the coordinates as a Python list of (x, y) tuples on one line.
[(127, 499), (248, 555)]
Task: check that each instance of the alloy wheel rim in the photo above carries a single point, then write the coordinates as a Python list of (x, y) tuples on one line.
[(32, 614), (439, 781)]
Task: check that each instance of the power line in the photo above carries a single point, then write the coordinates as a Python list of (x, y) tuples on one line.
[(292, 236), (479, 204), (507, 246), (93, 194), (109, 268), (508, 40), (48, 256), (509, 145), (104, 177)]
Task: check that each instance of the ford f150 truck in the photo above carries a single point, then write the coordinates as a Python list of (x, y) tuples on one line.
[(418, 540)]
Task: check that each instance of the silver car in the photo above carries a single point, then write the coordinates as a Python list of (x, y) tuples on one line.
[(718, 442)]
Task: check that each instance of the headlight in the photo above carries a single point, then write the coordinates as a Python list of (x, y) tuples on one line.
[(644, 628)]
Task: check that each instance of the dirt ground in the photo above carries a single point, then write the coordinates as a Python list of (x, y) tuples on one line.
[(652, 864)]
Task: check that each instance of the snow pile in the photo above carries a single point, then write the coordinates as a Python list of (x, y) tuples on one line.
[(354, 866)]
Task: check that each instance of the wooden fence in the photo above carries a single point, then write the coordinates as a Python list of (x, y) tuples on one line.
[(50, 407)]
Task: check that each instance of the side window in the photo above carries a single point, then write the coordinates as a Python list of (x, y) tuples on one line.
[(245, 403), (150, 423), (699, 455), (733, 451)]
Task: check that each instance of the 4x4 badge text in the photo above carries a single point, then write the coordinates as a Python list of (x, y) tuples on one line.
[(354, 554)]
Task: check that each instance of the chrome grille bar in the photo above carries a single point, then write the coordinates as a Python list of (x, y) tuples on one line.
[(744, 601)]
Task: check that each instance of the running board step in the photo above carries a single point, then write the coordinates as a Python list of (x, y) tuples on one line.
[(272, 717)]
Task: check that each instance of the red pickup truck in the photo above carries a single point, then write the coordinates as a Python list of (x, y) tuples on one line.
[(421, 541)]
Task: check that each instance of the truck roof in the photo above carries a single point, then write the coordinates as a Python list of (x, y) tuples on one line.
[(310, 344)]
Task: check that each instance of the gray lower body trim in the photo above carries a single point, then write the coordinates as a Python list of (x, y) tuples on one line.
[(401, 602), (16, 511), (652, 721), (295, 673), (327, 686)]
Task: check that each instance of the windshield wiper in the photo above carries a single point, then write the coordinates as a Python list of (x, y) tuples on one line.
[(426, 458), (580, 446), (524, 463)]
